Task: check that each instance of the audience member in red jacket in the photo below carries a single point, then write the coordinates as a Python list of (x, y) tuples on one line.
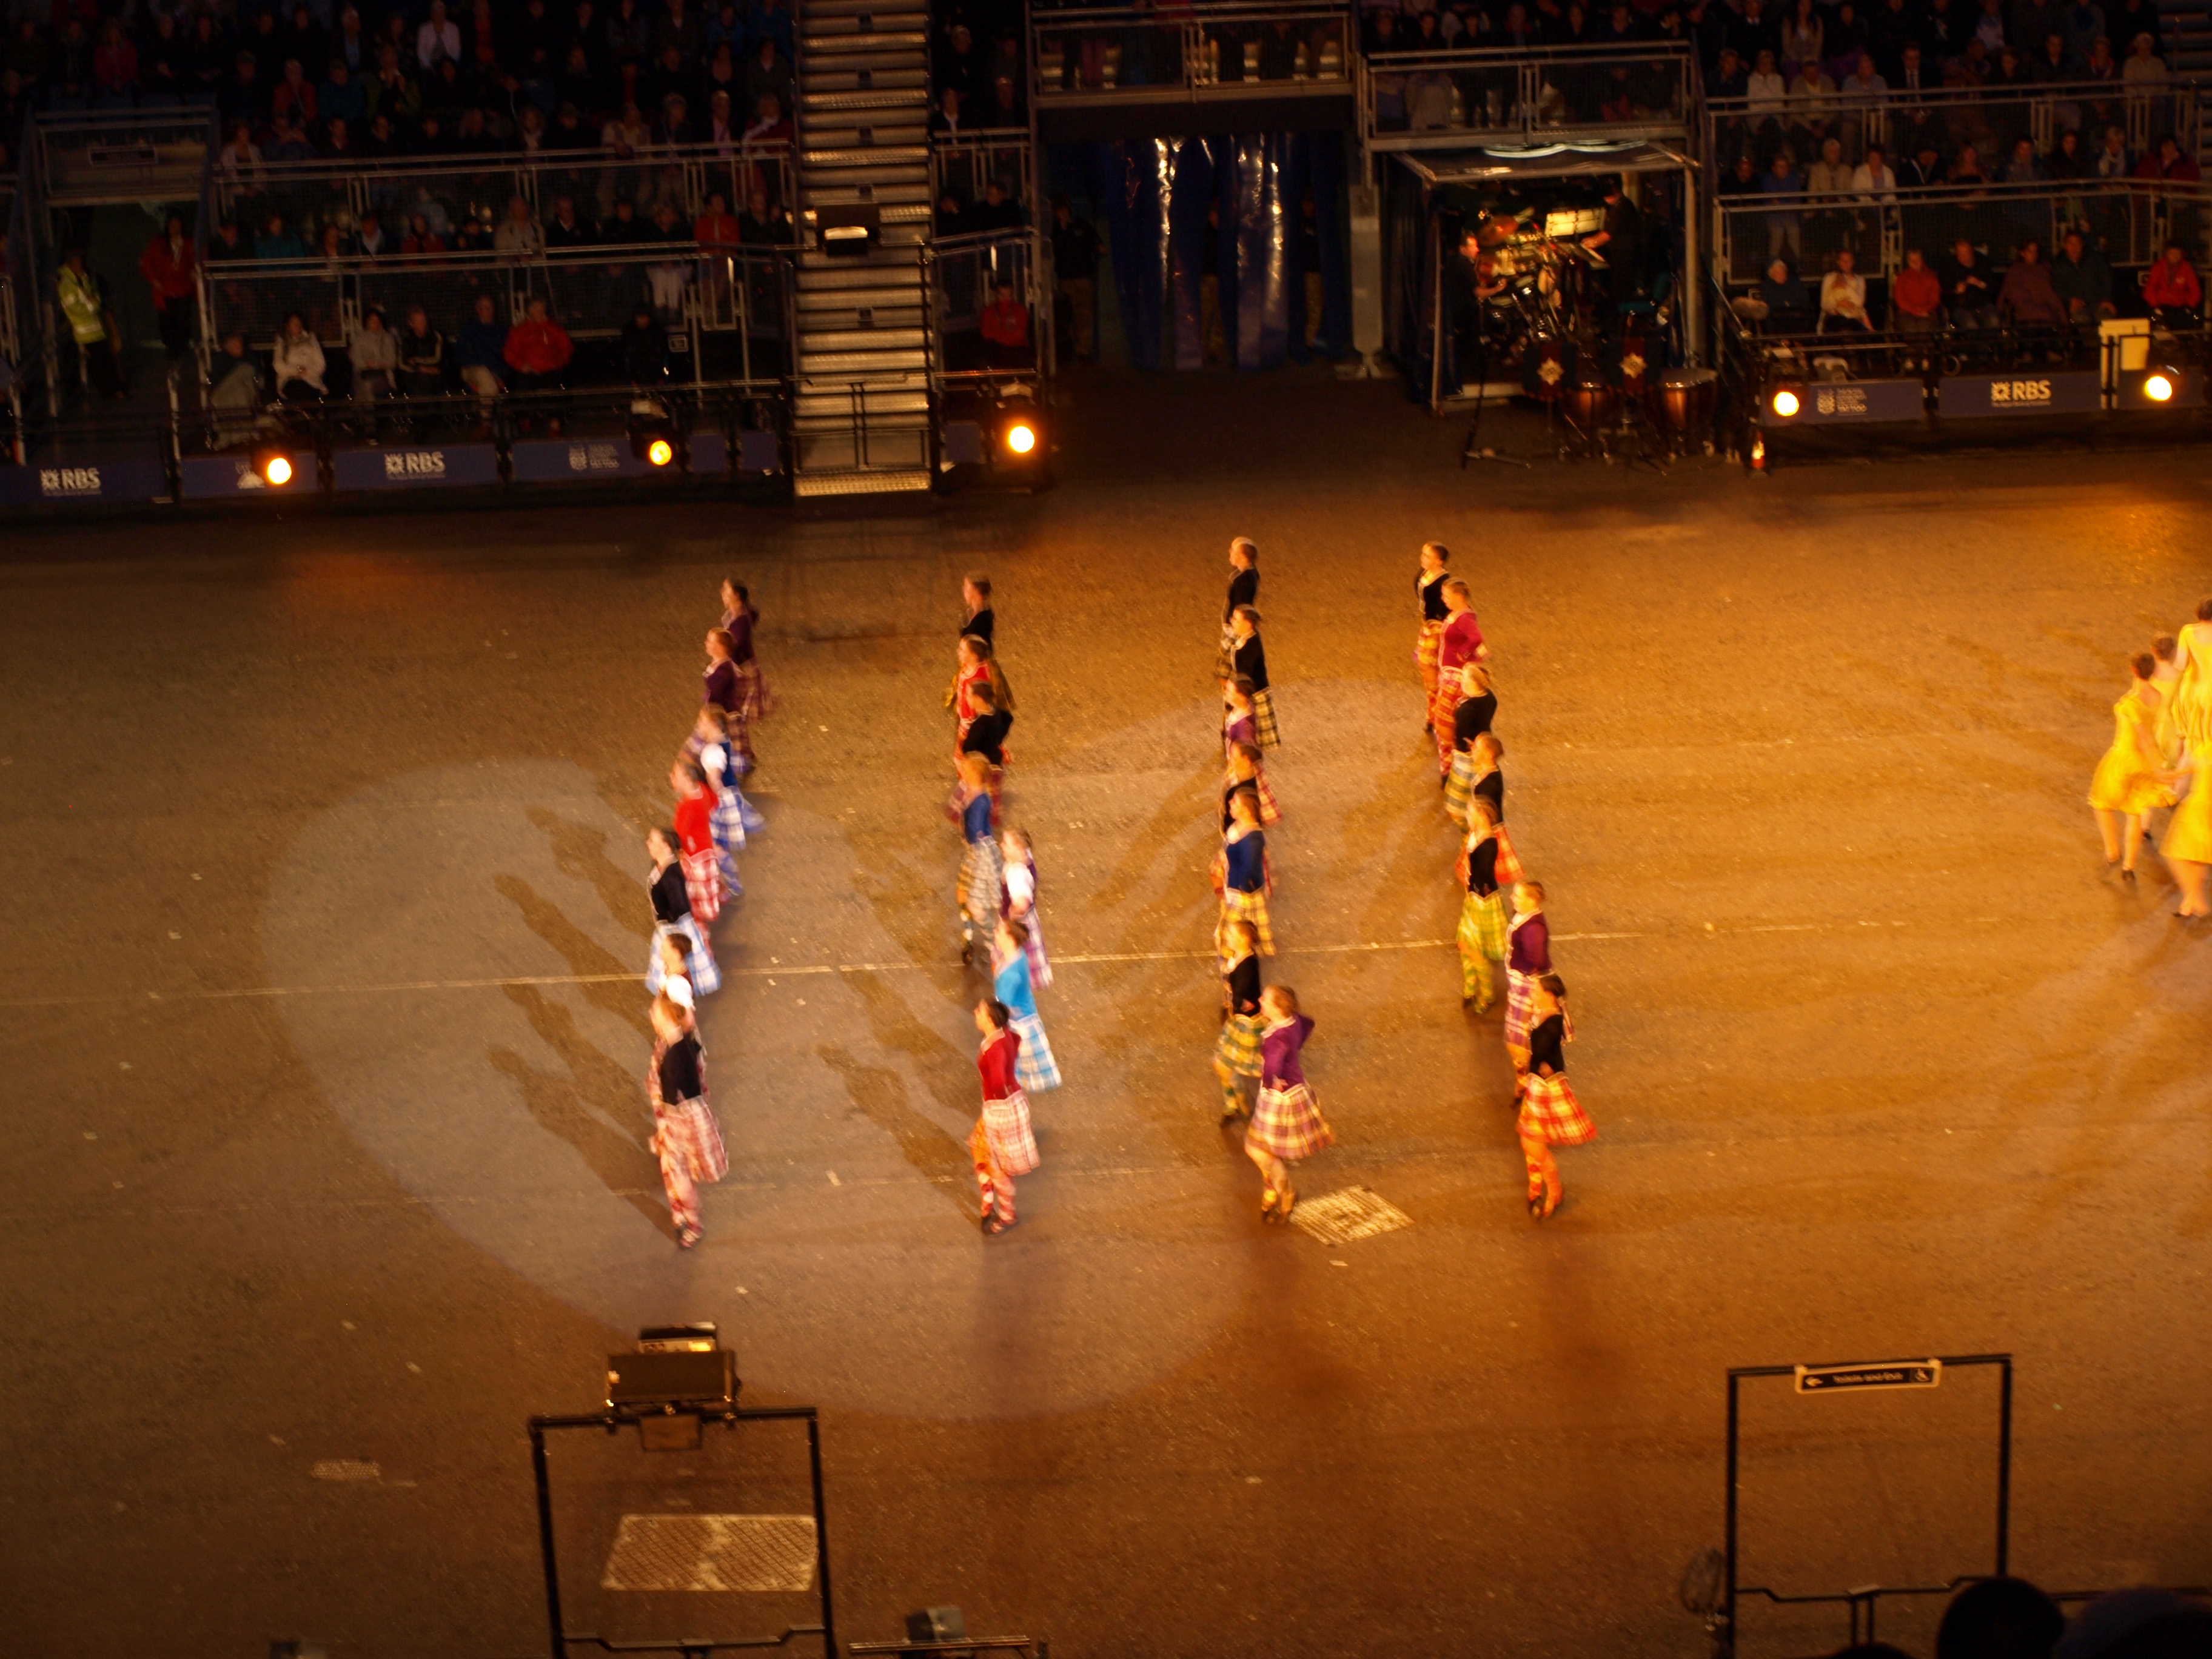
[(1006, 327), (538, 349), (169, 263), (2170, 288)]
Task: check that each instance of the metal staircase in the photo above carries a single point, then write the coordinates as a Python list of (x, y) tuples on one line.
[(860, 417)]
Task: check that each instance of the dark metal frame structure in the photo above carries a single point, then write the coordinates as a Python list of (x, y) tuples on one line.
[(729, 1416), (1866, 1600)]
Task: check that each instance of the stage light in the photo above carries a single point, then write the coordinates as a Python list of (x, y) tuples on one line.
[(661, 452), (1786, 403), (1021, 437), (2160, 384), (274, 467)]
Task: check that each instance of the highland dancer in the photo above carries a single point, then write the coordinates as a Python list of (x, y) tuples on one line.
[(1459, 644), (1019, 903), (1244, 871), (753, 700), (1002, 1145), (1429, 594), (695, 828), (1237, 1054), (1287, 1126), (1550, 1114), (1482, 926), (1246, 771), (1249, 661), (1528, 958), (671, 921), (1244, 591), (685, 1136), (982, 878), (1038, 1069), (1471, 719)]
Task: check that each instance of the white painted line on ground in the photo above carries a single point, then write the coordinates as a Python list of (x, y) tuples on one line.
[(818, 969)]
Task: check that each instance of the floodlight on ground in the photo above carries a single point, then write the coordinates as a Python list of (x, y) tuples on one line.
[(1021, 437), (2160, 384), (1786, 402), (274, 465)]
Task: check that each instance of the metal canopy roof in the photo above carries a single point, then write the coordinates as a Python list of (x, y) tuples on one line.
[(1568, 159)]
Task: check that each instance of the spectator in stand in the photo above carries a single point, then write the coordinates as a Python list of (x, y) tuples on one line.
[(2083, 280), (567, 228), (722, 130), (439, 40), (296, 95), (390, 92), (765, 223), (645, 349), (287, 144), (420, 237), (239, 161), (1767, 92), (228, 245), (298, 362), (2112, 157), (1812, 106), (167, 264), (2172, 291), (1781, 302), (1741, 180), (770, 131), (2143, 68), (767, 75), (1916, 297), (340, 98), (239, 96), (2166, 162), (1830, 176), (716, 229), (1007, 109), (235, 383), (2068, 159), (1786, 226), (944, 113), (666, 278), (1925, 170), (1966, 168), (996, 212), (421, 356), (569, 131), (1006, 328), (2130, 18), (371, 241), (2027, 299), (1075, 274), (950, 218), (623, 228), (114, 66), (83, 300), (277, 241), (1843, 296), (1801, 36), (2023, 166), (331, 245), (375, 355), (538, 351), (480, 353), (1874, 179), (339, 143), (1967, 287), (518, 232)]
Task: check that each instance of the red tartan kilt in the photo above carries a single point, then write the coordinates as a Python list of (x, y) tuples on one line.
[(702, 884), (1550, 1112)]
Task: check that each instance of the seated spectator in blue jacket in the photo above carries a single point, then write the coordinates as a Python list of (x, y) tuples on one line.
[(480, 354), (1779, 303), (278, 241)]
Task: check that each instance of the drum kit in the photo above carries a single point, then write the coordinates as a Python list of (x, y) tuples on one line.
[(1530, 278)]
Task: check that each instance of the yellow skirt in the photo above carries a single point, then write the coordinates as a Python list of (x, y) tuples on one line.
[(2188, 833), (2120, 785)]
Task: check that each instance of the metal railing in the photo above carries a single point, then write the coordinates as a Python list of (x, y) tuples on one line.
[(963, 168), (1216, 50), (2128, 222), (1990, 121), (965, 273), (447, 192), (1426, 100)]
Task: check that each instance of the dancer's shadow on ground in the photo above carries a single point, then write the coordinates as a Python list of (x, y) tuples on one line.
[(586, 1107), (614, 991), (880, 1094)]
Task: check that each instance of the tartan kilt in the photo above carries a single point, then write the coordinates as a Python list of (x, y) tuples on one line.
[(1034, 1066), (689, 1125), (1509, 869), (1550, 1113), (1428, 646), (727, 820), (755, 701), (1288, 1123), (1238, 1049), (1447, 699), (1482, 927), (1239, 906), (1520, 1006), (1269, 812), (982, 882), (1265, 731), (1004, 1132), (698, 958), (702, 882), (1459, 786)]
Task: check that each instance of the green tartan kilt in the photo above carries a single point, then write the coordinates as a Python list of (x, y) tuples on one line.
[(1482, 927), (1238, 1046)]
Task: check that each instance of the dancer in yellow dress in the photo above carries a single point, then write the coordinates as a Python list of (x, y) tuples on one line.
[(2131, 779), (2188, 842), (2192, 695)]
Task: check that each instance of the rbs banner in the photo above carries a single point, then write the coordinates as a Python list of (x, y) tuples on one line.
[(2065, 392), (415, 468)]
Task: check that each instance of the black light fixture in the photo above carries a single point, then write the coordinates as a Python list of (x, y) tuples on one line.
[(654, 436), (1018, 434)]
